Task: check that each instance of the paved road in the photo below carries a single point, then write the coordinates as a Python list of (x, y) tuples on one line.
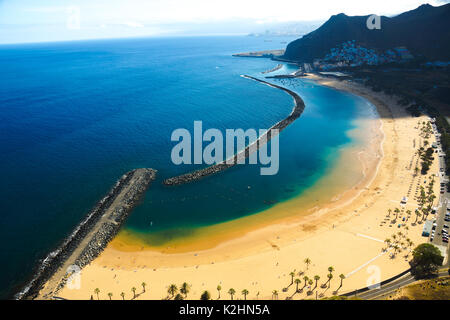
[(389, 288)]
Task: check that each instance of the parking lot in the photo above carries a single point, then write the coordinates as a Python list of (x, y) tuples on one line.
[(441, 221)]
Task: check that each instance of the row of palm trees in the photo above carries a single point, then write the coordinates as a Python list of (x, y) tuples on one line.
[(207, 296), (309, 281), (426, 129), (122, 294), (181, 293), (425, 200)]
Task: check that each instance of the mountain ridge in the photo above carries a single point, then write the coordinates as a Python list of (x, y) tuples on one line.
[(425, 31)]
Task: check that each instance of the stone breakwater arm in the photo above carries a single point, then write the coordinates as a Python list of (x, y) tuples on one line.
[(91, 236), (278, 67), (299, 106)]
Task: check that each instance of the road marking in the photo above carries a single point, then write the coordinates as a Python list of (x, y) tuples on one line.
[(365, 264), (369, 237), (389, 288)]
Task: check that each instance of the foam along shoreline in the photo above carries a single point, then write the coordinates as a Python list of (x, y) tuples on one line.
[(91, 236), (240, 157)]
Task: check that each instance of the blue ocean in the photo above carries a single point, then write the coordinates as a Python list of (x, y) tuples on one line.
[(75, 116)]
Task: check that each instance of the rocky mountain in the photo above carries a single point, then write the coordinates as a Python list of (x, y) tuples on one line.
[(425, 31)]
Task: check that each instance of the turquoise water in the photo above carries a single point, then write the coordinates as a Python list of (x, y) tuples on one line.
[(75, 116)]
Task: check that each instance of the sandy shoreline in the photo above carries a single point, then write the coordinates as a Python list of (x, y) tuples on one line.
[(346, 232)]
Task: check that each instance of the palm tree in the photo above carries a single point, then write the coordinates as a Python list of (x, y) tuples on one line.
[(134, 292), (397, 211), (310, 282), (292, 274), (297, 282), (172, 289), (408, 212), (274, 295), (317, 278), (122, 294), (205, 296), (231, 292), (179, 296), (330, 270), (219, 287), (143, 284), (306, 280), (342, 279), (330, 276), (245, 293), (110, 295), (388, 242), (417, 215), (97, 291), (396, 247), (307, 262), (389, 212), (185, 288)]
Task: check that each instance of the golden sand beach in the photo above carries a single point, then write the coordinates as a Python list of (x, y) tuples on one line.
[(259, 252)]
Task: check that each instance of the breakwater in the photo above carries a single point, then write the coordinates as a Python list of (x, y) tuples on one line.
[(261, 54), (278, 67), (239, 157), (90, 237)]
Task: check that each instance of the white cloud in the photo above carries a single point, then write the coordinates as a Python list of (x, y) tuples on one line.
[(162, 16), (133, 24)]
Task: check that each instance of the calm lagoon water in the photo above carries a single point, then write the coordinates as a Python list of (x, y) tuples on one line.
[(75, 116)]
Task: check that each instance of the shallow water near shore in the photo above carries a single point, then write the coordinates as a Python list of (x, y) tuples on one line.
[(315, 168), (76, 116)]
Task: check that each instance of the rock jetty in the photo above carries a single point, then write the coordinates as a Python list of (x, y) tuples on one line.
[(261, 54), (299, 106), (278, 67), (91, 236)]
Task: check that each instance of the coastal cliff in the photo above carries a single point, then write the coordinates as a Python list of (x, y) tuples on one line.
[(91, 236)]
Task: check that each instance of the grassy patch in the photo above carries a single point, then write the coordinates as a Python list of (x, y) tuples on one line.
[(434, 289)]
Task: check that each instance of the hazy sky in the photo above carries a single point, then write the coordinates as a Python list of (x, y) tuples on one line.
[(50, 20)]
